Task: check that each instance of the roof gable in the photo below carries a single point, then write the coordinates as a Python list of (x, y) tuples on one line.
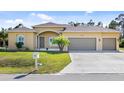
[(49, 24)]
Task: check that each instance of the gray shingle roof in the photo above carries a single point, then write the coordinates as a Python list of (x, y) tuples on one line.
[(49, 24), (68, 28), (22, 29), (84, 28)]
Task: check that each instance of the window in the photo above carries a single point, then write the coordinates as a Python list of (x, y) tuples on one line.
[(20, 38), (50, 41)]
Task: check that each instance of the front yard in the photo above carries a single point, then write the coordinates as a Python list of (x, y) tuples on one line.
[(122, 49), (22, 62)]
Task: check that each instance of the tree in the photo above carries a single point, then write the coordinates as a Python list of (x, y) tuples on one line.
[(113, 24), (91, 23), (100, 24), (3, 36), (18, 26), (75, 23), (10, 28), (61, 41), (120, 20), (71, 23), (82, 23)]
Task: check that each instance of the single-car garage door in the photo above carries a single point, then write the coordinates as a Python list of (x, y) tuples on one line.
[(109, 44), (82, 44)]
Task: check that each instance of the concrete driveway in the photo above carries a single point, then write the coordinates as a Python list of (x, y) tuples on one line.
[(106, 62)]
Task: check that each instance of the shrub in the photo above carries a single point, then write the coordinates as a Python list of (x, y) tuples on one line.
[(19, 44), (2, 50), (27, 49), (61, 41), (121, 44)]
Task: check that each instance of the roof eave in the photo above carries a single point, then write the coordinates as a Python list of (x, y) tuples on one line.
[(21, 31), (95, 31), (47, 26)]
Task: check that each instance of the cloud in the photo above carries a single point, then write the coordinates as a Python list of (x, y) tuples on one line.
[(44, 17), (16, 21), (33, 14), (89, 12)]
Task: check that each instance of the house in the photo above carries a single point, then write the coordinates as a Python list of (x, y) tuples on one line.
[(81, 37)]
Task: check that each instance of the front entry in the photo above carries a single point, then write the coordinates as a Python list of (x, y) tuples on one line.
[(41, 42)]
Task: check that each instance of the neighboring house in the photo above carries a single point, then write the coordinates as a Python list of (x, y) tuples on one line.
[(81, 37)]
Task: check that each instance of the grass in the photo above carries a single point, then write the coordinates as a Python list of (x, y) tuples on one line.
[(22, 62), (121, 49)]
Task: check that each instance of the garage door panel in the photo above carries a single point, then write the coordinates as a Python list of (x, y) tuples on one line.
[(109, 44), (82, 44)]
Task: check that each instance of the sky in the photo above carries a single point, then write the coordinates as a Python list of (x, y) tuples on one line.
[(30, 18)]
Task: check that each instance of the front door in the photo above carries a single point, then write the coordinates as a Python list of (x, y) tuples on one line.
[(41, 42)]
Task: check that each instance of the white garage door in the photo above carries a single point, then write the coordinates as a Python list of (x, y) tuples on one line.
[(82, 44), (109, 44)]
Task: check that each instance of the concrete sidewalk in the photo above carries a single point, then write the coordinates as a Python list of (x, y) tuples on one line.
[(64, 77)]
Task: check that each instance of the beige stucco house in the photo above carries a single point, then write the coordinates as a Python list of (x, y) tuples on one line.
[(81, 37)]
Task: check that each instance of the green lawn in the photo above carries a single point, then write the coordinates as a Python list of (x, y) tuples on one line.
[(22, 62), (121, 49)]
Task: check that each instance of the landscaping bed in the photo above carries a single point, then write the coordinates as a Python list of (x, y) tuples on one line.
[(22, 62)]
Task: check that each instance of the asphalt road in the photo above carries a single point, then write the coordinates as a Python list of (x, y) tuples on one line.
[(64, 77)]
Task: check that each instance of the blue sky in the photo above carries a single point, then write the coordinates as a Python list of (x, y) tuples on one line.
[(30, 18)]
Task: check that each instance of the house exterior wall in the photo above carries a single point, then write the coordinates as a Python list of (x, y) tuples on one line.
[(97, 35), (28, 42), (31, 38)]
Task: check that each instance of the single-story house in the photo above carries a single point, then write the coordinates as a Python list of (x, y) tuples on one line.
[(81, 37)]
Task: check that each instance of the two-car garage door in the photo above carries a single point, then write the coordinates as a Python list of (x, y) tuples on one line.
[(82, 44), (90, 44)]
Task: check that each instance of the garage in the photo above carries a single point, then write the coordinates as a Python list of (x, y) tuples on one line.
[(82, 44), (109, 44)]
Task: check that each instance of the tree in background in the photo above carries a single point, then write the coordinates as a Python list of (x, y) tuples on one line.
[(75, 23), (18, 26), (100, 24), (71, 23), (10, 28), (3, 36), (120, 20), (113, 24), (61, 41), (91, 23)]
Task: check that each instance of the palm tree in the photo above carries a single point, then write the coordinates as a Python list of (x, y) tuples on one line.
[(3, 36)]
